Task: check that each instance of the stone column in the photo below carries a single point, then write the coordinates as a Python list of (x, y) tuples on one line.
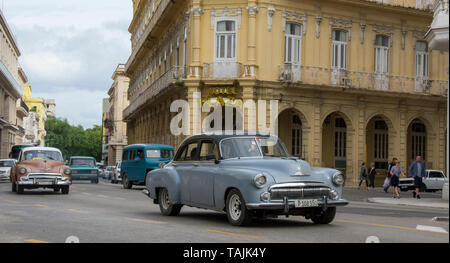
[(197, 11), (251, 53), (401, 145), (315, 143)]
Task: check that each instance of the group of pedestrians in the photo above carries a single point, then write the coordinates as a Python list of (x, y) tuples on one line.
[(368, 177), (394, 172)]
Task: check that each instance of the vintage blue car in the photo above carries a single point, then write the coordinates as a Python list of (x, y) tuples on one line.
[(245, 176), (139, 159)]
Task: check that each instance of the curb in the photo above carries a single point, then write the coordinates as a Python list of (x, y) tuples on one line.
[(440, 219), (437, 205)]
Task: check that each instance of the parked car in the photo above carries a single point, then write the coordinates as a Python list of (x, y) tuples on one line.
[(5, 169), (245, 176), (117, 177), (15, 150), (139, 159), (40, 167), (84, 168), (108, 172), (433, 181)]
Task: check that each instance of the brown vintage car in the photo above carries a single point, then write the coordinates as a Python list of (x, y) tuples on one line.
[(41, 167)]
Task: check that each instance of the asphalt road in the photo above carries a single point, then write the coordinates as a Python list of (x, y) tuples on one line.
[(108, 213)]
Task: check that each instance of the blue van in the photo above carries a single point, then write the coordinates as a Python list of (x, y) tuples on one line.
[(139, 159)]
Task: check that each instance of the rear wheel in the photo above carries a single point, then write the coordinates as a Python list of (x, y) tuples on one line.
[(166, 207), (237, 212), (325, 217), (126, 183)]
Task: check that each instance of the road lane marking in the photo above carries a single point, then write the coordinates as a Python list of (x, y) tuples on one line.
[(78, 211), (40, 205), (35, 241), (86, 193), (232, 234), (387, 226), (144, 220), (12, 202), (120, 198), (101, 195), (431, 228)]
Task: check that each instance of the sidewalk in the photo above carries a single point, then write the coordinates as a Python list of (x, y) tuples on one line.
[(424, 202)]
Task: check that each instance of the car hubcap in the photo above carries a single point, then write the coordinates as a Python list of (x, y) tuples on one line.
[(165, 199), (235, 207)]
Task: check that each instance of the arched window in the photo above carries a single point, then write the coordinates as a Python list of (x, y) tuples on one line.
[(340, 143), (418, 139), (381, 143), (339, 49), (226, 40), (296, 136), (381, 54)]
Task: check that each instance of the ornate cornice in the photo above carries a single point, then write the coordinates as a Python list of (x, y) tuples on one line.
[(226, 13), (294, 17), (341, 23)]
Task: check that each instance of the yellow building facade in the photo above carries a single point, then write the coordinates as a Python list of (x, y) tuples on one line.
[(37, 106), (354, 80)]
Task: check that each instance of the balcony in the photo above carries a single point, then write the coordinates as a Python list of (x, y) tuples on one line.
[(222, 70), (289, 72), (322, 76), (169, 78)]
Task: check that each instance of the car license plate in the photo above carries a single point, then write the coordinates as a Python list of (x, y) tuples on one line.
[(306, 203), (45, 183)]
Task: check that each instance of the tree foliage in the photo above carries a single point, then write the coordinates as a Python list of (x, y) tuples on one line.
[(73, 140)]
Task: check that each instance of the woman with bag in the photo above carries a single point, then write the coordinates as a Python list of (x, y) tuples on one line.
[(396, 172)]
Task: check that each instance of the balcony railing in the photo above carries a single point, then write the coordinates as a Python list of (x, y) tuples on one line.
[(372, 81), (222, 70), (170, 77), (289, 72)]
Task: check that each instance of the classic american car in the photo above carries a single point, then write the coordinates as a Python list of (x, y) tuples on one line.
[(84, 169), (5, 169), (245, 176), (40, 167), (433, 181)]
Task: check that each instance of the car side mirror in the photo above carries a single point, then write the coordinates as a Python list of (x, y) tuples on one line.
[(210, 157)]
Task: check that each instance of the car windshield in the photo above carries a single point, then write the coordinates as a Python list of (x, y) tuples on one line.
[(6, 163), (82, 162), (42, 155), (253, 147)]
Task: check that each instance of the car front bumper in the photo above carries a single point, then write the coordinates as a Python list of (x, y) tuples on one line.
[(84, 177), (287, 205), (43, 180), (4, 177)]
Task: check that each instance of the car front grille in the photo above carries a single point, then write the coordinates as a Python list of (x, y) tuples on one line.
[(299, 191)]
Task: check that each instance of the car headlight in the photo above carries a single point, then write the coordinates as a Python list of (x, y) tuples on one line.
[(334, 195), (94, 172), (338, 178), (260, 180), (67, 171), (22, 170)]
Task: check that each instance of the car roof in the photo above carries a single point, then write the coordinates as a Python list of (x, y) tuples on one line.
[(41, 149), (82, 157), (220, 135), (149, 146), (7, 160), (434, 170)]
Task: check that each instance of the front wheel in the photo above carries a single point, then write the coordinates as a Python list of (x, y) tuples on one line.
[(14, 187), (325, 217), (166, 207), (20, 189), (126, 183), (237, 212), (65, 190)]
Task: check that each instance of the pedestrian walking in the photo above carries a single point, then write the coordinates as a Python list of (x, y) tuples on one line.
[(387, 181), (417, 171), (372, 173), (396, 172), (363, 176)]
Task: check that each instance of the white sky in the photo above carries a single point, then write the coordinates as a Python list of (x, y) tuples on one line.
[(70, 49)]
